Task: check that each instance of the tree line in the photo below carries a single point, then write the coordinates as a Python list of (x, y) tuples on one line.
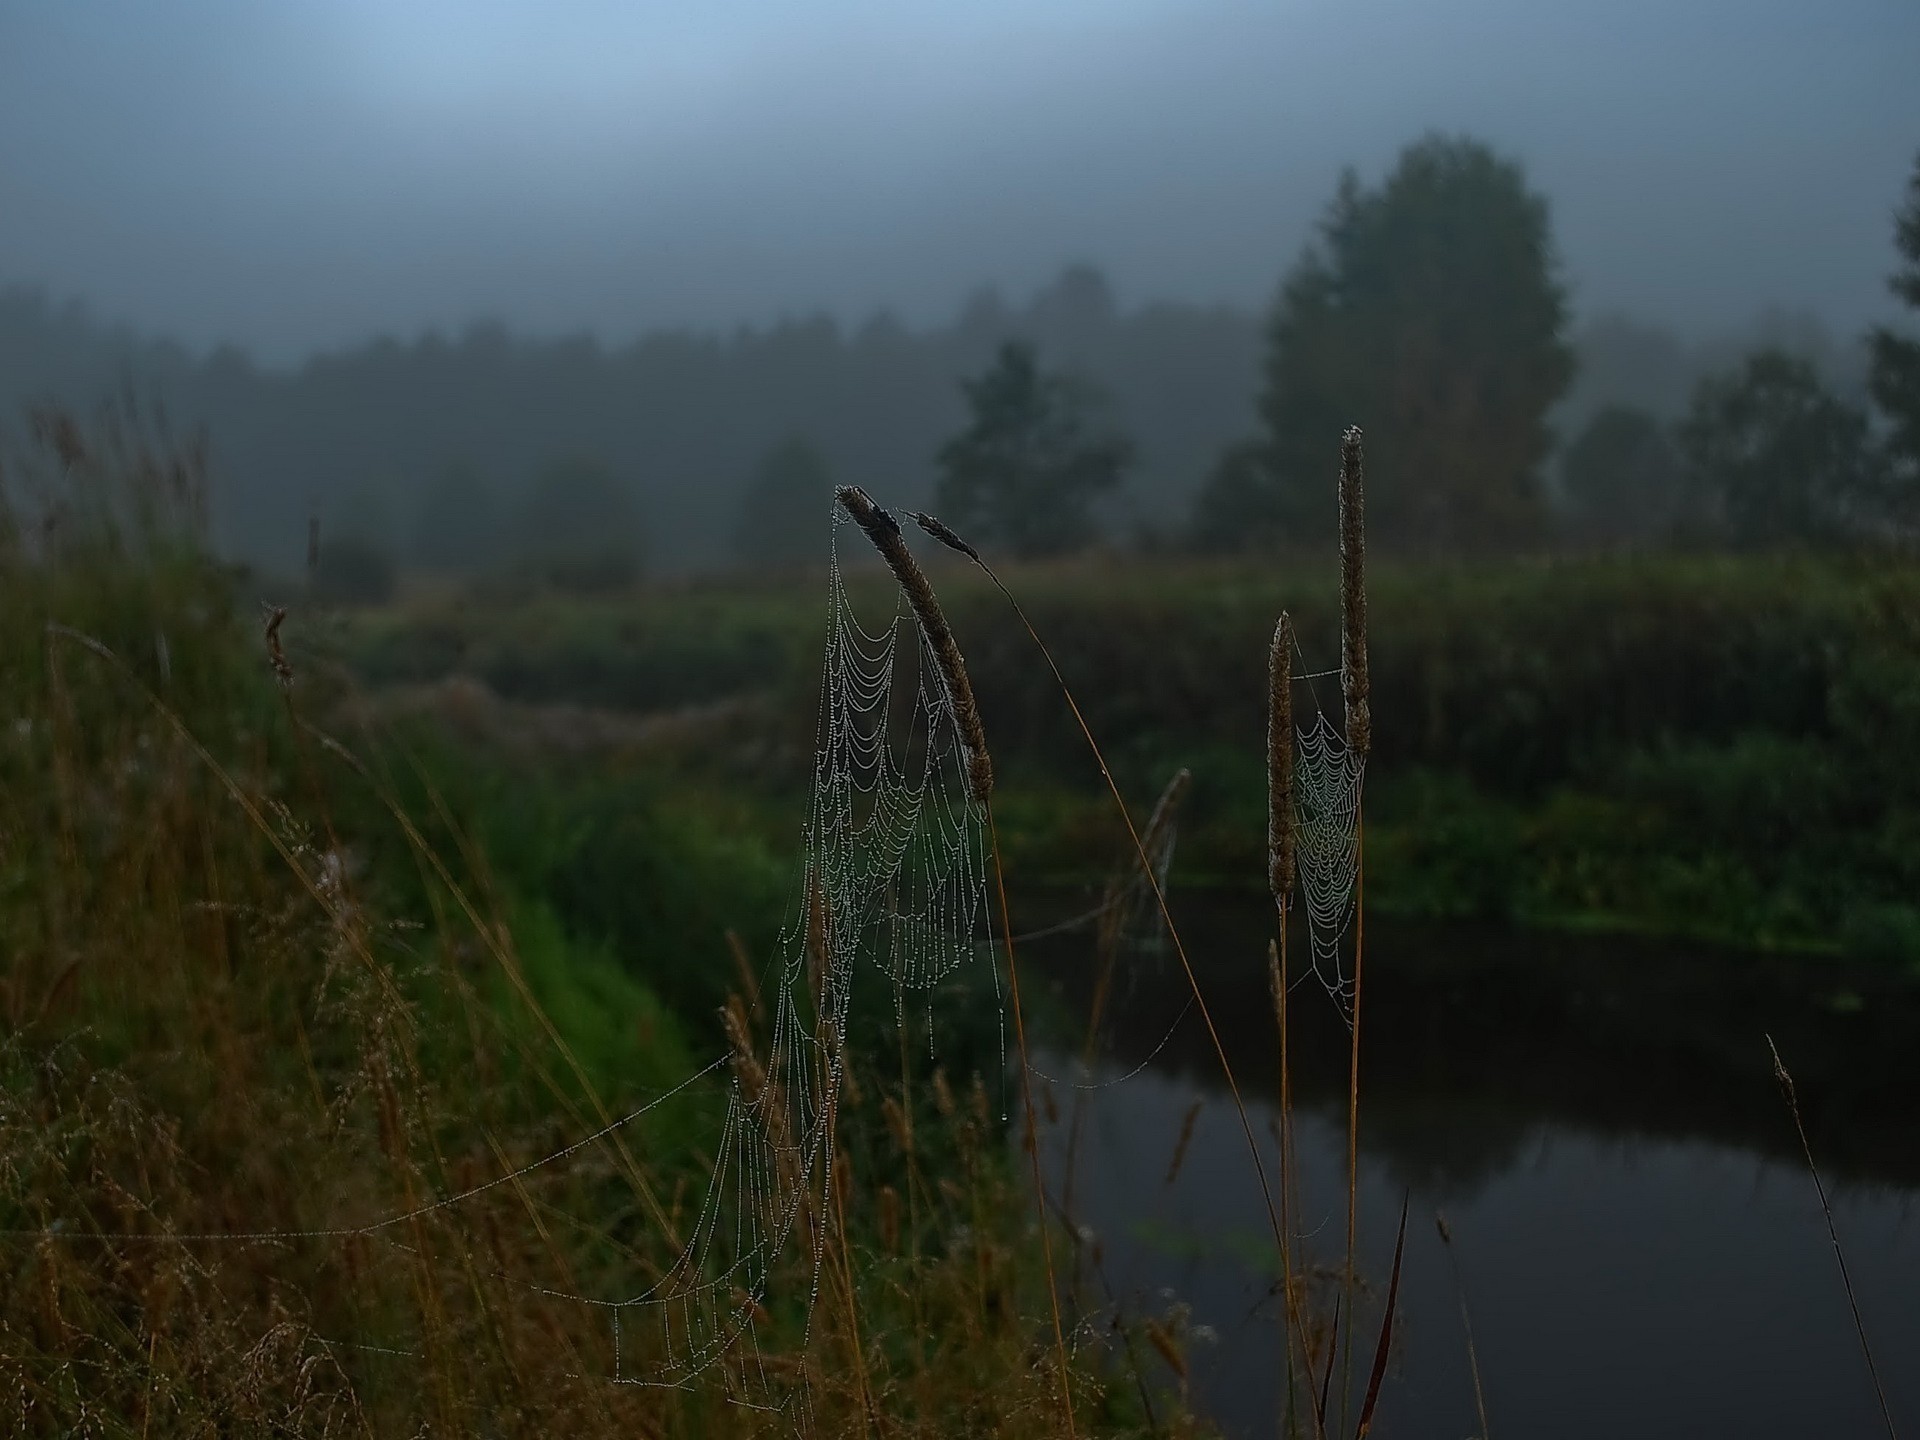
[(1430, 309)]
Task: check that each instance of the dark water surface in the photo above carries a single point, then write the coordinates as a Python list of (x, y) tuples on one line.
[(1639, 1245)]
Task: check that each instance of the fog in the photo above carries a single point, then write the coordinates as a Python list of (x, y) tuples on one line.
[(299, 176)]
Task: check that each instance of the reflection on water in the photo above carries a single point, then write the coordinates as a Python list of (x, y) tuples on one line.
[(1640, 1249)]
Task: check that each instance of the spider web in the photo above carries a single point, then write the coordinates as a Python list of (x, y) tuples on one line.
[(1328, 779), (894, 875), (1327, 790)]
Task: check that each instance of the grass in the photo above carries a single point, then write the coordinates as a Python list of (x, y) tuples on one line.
[(275, 989)]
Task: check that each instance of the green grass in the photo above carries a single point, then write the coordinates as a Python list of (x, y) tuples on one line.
[(1688, 744)]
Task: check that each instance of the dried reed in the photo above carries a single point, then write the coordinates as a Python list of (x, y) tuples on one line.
[(884, 532), (1280, 822), (1353, 591)]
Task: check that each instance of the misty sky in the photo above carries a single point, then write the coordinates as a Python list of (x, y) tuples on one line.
[(289, 174)]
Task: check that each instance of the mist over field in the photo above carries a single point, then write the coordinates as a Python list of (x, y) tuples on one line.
[(367, 243)]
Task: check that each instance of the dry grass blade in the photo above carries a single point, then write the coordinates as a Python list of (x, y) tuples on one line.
[(1839, 1255), (1385, 1343)]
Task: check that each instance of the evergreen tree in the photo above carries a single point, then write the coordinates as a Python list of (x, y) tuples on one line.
[(1431, 315), (1030, 463), (1895, 377), (1776, 456)]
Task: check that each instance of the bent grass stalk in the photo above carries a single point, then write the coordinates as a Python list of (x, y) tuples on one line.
[(882, 530)]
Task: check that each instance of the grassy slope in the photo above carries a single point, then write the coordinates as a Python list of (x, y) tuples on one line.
[(249, 984)]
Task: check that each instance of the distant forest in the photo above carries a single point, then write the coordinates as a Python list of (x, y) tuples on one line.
[(366, 438)]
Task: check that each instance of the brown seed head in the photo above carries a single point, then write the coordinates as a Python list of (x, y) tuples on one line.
[(944, 534), (1163, 1341), (746, 1065), (884, 532), (1353, 592), (276, 656), (1280, 821)]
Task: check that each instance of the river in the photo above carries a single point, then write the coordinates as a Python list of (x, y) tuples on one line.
[(1636, 1241)]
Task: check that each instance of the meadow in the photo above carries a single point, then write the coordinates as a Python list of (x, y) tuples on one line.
[(377, 981)]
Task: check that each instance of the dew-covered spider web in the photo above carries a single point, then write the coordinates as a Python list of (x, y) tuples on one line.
[(893, 877), (1327, 781)]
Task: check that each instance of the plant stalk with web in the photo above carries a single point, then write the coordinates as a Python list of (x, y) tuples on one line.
[(1359, 717), (881, 529)]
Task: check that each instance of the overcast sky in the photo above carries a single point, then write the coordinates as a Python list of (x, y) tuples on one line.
[(288, 174)]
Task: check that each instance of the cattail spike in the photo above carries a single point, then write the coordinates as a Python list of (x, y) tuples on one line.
[(884, 532), (1280, 820), (1353, 592)]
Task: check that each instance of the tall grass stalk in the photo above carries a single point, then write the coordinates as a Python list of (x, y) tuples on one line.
[(1359, 717), (884, 533)]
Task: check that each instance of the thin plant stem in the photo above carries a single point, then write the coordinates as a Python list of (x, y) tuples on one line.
[(1033, 1129), (1160, 900), (1288, 1177), (1839, 1255), (1353, 1102), (1466, 1322)]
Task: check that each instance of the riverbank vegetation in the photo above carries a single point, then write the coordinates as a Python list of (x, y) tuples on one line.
[(1694, 744), (346, 1075)]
